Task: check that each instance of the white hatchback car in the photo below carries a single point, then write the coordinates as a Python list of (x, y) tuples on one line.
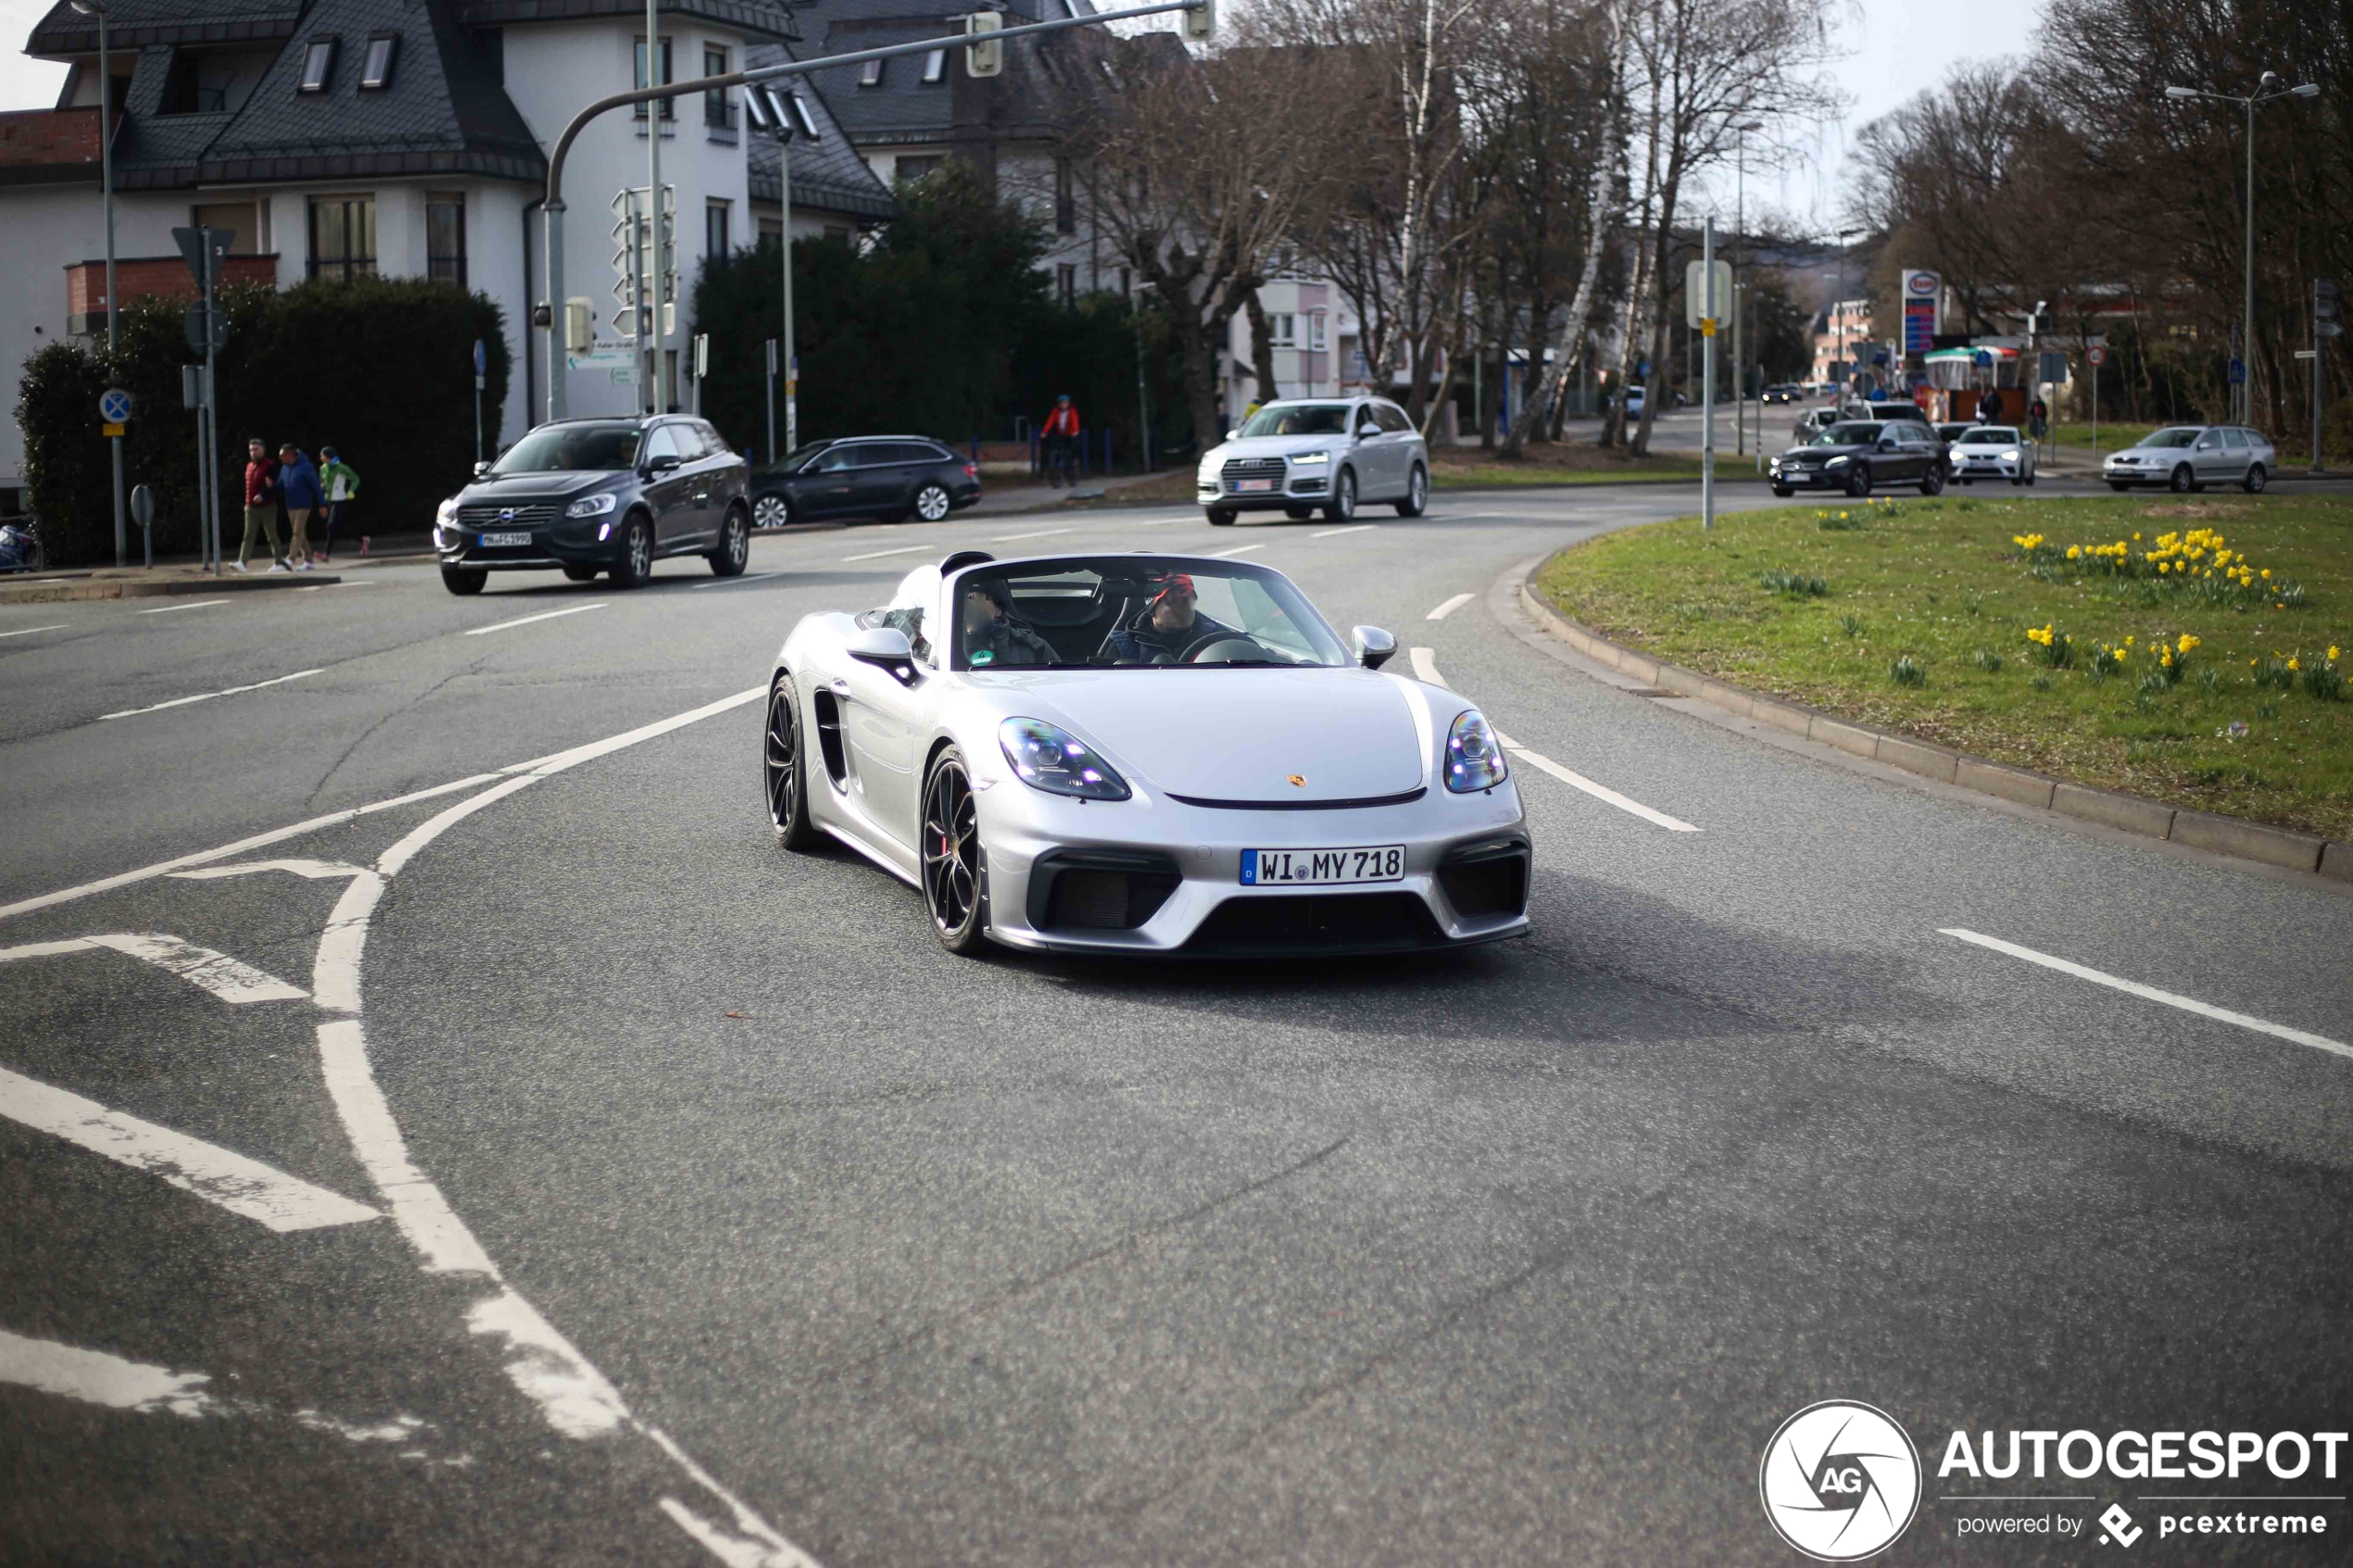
[(1308, 453), (1991, 452), (2186, 457)]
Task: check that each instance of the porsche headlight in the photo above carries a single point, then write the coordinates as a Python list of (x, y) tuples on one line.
[(1474, 760), (592, 506), (1047, 758), (1310, 459)]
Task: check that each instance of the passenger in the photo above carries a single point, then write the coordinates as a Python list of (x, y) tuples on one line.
[(994, 637), (1166, 626)]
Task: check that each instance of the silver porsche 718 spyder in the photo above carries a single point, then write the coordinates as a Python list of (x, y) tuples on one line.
[(1131, 754)]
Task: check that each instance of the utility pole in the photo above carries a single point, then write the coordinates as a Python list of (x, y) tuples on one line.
[(1740, 234), (654, 73), (105, 179), (1709, 309)]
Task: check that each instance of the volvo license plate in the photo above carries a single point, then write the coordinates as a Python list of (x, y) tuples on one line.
[(501, 541), (1303, 868)]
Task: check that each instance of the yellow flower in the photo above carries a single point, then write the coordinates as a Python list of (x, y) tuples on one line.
[(2267, 574), (2074, 552), (2332, 650), (2292, 664)]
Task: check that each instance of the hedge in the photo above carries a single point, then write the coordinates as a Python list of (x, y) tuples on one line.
[(380, 369)]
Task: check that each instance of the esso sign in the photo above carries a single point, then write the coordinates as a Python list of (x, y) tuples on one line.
[(1921, 283)]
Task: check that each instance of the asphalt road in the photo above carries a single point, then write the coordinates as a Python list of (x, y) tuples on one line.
[(637, 1193)]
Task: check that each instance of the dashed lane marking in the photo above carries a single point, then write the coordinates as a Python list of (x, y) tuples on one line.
[(208, 697), (1450, 607), (1334, 532), (243, 1186), (2150, 993), (879, 555), (168, 609), (1238, 550), (1033, 534), (527, 619), (28, 631), (738, 582)]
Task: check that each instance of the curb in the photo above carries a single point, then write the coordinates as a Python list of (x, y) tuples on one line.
[(120, 588), (2128, 813)]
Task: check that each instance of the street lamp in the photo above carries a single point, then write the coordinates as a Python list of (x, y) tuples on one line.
[(106, 182), (1838, 308), (1740, 230), (2266, 89)]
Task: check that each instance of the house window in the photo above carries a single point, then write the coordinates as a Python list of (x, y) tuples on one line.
[(716, 109), (343, 237), (800, 112), (445, 238), (1065, 199), (669, 105), (1283, 330), (1066, 282), (375, 70), (238, 218), (317, 65), (1315, 331), (714, 230), (912, 168), (871, 75), (772, 228), (936, 67)]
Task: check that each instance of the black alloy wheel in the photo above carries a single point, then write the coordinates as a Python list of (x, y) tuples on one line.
[(1783, 491), (1222, 516), (933, 502), (2181, 483), (1343, 503), (1416, 499), (1859, 480), (1299, 514), (1933, 482), (461, 581), (952, 863), (637, 562), (788, 795), (735, 544), (771, 510)]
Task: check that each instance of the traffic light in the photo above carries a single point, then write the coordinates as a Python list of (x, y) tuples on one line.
[(578, 315), (1201, 22), (988, 58)]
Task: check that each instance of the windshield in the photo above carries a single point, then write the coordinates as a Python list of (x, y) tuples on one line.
[(1300, 418), (1848, 436), (2178, 435), (1991, 435), (553, 448), (1136, 611)]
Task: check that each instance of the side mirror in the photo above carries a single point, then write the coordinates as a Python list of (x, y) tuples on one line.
[(662, 464), (481, 469), (1373, 647), (1887, 444), (887, 648), (1233, 436)]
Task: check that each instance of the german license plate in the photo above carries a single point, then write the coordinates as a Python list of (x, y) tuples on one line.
[(1301, 868), (1254, 485), (494, 541)]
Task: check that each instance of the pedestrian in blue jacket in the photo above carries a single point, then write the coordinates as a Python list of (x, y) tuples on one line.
[(298, 485)]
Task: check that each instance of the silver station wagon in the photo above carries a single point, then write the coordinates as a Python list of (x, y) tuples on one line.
[(2186, 457)]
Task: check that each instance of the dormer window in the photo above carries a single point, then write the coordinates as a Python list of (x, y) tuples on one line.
[(869, 74), (317, 65), (936, 67), (800, 112), (375, 70)]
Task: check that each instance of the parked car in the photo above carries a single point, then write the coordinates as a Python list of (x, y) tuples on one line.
[(889, 478), (1854, 454), (2188, 458), (1991, 452), (1300, 454), (598, 494), (1782, 392)]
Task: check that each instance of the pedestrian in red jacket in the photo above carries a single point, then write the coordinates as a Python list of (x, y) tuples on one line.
[(1060, 435), (261, 506)]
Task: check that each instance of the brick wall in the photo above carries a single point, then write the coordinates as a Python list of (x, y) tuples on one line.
[(165, 276), (50, 136)]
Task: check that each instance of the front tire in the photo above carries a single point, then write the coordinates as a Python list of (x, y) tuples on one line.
[(2255, 479), (1933, 482), (735, 545), (2180, 483), (955, 871), (933, 503), (582, 573), (1858, 480), (1343, 502), (1222, 516), (462, 582), (771, 511), (1783, 491), (1417, 500), (2119, 488), (637, 562), (783, 763)]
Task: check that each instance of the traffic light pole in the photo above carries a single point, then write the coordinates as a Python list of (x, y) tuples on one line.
[(552, 208)]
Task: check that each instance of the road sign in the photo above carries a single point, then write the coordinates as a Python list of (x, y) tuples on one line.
[(1923, 303), (2330, 329), (2052, 368), (1696, 308), (482, 359), (114, 406), (2308, 353), (2238, 372), (191, 386), (2324, 299), (207, 328), (1983, 359), (114, 430), (143, 506), (2097, 355), (194, 242)]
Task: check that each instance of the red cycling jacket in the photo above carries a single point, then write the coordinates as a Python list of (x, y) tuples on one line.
[(1063, 420)]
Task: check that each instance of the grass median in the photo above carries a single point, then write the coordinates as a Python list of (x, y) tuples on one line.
[(1916, 616)]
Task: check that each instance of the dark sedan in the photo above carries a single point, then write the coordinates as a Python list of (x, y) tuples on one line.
[(889, 478), (600, 495), (1856, 454)]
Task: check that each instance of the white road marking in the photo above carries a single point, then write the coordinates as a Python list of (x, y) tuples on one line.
[(1450, 607), (217, 973), (738, 582), (1329, 532), (96, 1378), (527, 619), (1425, 668), (312, 589), (28, 631), (208, 697), (243, 1186), (2150, 993), (1238, 550), (877, 555), (1033, 534), (200, 604), (317, 871), (355, 582)]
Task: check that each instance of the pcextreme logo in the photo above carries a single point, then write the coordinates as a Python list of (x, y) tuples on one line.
[(1840, 1481)]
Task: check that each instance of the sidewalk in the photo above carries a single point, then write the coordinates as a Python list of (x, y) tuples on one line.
[(140, 582)]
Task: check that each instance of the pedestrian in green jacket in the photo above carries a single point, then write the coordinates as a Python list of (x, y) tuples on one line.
[(340, 486)]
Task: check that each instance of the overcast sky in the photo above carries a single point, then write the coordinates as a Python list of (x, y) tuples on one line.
[(1893, 49)]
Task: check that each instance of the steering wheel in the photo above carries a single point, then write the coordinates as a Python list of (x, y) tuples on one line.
[(1201, 645)]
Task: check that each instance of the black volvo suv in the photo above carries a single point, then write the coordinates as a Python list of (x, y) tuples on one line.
[(598, 494)]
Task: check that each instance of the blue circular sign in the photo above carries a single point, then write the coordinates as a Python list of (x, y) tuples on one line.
[(482, 359), (1983, 357), (114, 406)]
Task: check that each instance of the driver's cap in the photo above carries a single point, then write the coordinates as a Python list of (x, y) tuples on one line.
[(1177, 584)]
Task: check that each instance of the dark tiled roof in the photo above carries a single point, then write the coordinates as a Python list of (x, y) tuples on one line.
[(1044, 78), (762, 17), (131, 23), (827, 174)]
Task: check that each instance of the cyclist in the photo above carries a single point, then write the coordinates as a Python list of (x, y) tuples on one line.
[(1060, 435)]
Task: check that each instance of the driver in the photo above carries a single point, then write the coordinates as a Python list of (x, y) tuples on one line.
[(1166, 626), (994, 636)]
